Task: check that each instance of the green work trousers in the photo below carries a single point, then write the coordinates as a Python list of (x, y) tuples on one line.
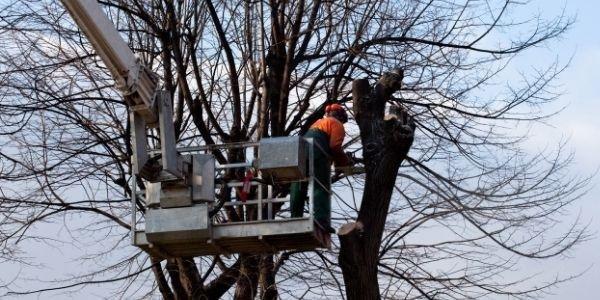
[(322, 173)]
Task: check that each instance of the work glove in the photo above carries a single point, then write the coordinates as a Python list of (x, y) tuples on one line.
[(347, 170)]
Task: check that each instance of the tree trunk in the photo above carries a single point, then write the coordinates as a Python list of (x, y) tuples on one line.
[(386, 141), (268, 289), (176, 284), (219, 286), (190, 278), (161, 280), (358, 268), (247, 284)]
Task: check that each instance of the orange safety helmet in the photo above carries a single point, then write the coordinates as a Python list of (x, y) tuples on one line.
[(337, 111)]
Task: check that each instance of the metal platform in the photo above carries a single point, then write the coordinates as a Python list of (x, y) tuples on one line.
[(247, 237), (189, 231)]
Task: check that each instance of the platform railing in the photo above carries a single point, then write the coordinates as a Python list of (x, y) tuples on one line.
[(265, 201)]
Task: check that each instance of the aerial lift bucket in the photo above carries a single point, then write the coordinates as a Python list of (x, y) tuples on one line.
[(189, 229)]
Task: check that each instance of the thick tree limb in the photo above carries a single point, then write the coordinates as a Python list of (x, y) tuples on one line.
[(219, 286), (161, 281)]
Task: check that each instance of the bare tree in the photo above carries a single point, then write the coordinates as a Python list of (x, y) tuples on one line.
[(447, 204)]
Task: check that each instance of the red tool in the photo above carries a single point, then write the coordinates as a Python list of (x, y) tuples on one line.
[(245, 191)]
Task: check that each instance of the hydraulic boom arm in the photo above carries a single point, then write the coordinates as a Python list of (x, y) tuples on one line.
[(137, 83)]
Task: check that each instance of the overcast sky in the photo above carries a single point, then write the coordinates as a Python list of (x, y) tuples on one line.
[(579, 123)]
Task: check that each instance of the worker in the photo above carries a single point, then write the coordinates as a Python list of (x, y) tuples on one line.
[(327, 134)]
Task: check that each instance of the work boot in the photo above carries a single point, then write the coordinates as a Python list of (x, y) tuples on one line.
[(325, 225)]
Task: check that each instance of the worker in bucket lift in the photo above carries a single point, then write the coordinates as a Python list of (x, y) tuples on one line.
[(327, 134)]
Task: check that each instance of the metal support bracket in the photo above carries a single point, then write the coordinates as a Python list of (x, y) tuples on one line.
[(138, 141), (171, 159)]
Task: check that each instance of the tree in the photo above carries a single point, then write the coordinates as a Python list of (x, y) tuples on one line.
[(241, 70)]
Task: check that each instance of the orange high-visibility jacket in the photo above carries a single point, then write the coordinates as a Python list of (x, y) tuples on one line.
[(335, 131)]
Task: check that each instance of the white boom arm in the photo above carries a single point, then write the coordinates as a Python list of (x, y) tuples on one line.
[(137, 83)]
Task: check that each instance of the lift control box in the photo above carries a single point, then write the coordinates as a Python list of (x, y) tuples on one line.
[(203, 178), (198, 187), (283, 158)]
